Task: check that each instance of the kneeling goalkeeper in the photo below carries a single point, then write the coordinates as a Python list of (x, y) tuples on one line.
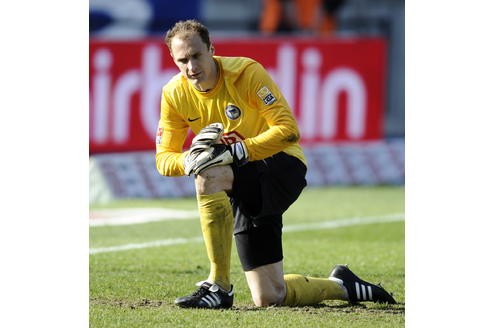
[(248, 168)]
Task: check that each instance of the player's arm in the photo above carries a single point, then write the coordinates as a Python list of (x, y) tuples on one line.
[(265, 95), (170, 138)]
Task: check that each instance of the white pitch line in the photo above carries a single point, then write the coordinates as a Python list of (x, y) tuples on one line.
[(114, 217), (156, 243), (289, 228), (344, 222)]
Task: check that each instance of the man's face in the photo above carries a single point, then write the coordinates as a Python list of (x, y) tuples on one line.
[(194, 60)]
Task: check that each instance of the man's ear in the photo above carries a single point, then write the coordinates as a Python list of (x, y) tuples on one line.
[(212, 50)]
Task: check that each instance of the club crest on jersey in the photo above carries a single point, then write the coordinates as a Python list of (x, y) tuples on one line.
[(266, 95), (233, 112)]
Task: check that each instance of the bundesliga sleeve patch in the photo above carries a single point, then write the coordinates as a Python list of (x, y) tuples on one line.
[(266, 95), (159, 133)]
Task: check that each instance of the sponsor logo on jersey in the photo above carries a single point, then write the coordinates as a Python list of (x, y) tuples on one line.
[(233, 112), (158, 138), (266, 95), (231, 137)]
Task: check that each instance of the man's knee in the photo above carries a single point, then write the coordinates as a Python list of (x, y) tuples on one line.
[(270, 296), (267, 284), (214, 179)]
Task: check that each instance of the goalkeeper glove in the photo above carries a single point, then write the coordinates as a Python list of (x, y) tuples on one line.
[(215, 155), (208, 135)]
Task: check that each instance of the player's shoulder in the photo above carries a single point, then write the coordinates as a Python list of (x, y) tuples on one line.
[(235, 65), (176, 83)]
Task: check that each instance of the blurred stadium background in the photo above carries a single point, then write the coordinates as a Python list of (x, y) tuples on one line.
[(342, 71)]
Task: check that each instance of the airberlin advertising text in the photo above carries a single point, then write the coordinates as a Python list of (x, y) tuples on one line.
[(336, 87)]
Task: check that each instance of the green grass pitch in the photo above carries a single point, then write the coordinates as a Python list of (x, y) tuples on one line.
[(137, 287)]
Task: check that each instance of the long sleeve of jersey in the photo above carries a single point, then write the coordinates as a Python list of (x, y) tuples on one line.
[(265, 96), (170, 137)]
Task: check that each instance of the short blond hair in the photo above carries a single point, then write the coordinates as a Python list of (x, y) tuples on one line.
[(189, 26)]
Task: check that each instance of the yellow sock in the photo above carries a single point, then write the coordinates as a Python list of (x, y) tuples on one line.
[(302, 290), (215, 212)]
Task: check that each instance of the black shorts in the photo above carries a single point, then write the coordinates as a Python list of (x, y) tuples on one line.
[(262, 191)]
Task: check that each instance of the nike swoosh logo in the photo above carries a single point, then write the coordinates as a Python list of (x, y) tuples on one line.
[(193, 119)]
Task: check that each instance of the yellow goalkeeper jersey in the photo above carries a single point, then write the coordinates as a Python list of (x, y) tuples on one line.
[(245, 100)]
